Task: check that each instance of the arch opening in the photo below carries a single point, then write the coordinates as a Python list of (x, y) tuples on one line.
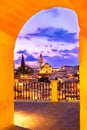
[(48, 33)]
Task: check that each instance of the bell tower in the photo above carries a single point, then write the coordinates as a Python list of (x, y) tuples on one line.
[(40, 60)]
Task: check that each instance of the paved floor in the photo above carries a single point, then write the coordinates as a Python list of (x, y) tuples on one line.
[(46, 116)]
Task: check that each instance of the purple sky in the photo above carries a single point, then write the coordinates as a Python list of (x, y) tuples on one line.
[(54, 33)]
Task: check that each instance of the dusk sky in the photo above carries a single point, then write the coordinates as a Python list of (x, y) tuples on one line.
[(54, 33)]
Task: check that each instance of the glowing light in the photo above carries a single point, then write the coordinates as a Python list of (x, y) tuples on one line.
[(21, 119), (27, 120), (78, 86)]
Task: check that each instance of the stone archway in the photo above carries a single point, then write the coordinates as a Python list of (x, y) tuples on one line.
[(12, 17)]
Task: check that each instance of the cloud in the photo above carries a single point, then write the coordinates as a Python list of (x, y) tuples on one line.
[(54, 50), (36, 53), (74, 50), (30, 58), (17, 61), (22, 36), (27, 56), (67, 55), (22, 52), (46, 45), (65, 51), (54, 12), (47, 57), (27, 37), (57, 61), (50, 46), (53, 34)]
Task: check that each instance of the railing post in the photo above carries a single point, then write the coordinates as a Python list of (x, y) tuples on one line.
[(54, 86)]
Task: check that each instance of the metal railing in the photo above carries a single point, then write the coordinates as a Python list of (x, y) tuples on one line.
[(42, 90), (32, 91), (69, 90)]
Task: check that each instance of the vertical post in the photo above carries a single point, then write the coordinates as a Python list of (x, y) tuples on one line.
[(54, 86)]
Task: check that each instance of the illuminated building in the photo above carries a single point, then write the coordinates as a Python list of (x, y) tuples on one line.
[(46, 69)]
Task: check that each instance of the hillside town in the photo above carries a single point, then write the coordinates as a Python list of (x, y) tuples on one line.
[(45, 72)]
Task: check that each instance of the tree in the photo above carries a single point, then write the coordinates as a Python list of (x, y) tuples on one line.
[(22, 62), (24, 69)]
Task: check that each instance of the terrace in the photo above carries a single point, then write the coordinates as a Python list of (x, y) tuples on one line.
[(46, 116), (33, 113)]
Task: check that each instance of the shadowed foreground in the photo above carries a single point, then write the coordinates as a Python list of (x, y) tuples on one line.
[(46, 116)]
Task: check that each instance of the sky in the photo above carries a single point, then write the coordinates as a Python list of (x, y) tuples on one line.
[(54, 33)]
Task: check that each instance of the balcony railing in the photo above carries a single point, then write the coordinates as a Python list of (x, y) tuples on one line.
[(43, 91), (69, 90), (32, 91)]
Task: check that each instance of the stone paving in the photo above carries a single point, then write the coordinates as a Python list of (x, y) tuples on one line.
[(47, 116)]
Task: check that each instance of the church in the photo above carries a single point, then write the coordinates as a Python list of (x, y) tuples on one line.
[(46, 69)]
